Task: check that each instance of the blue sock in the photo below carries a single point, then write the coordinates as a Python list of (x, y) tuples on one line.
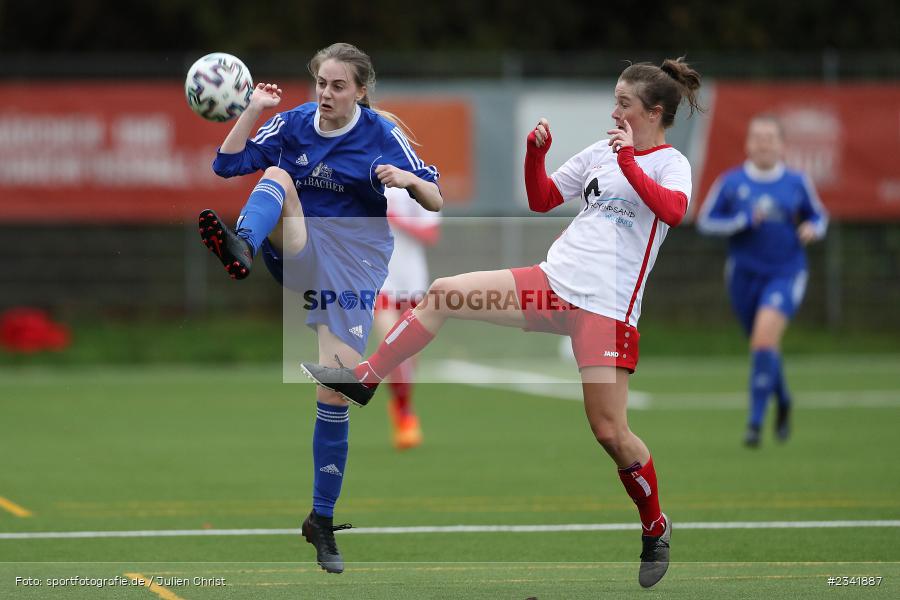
[(261, 213), (781, 390), (762, 383), (330, 443)]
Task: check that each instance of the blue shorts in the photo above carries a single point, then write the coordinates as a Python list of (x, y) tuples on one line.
[(335, 281), (751, 291)]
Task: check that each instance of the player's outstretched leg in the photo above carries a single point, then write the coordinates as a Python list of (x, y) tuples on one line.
[(259, 218), (319, 531), (231, 249), (417, 327)]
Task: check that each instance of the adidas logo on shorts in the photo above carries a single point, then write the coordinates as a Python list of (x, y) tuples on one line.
[(332, 470), (357, 331)]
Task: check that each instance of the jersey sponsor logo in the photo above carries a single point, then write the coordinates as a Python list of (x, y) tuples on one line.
[(302, 160), (592, 188), (620, 211), (321, 177), (322, 170), (592, 199)]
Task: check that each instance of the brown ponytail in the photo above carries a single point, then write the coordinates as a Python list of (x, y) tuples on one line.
[(665, 86)]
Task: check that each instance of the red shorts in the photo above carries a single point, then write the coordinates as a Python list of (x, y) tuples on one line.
[(598, 341)]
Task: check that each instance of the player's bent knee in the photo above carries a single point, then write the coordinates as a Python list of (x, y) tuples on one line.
[(279, 175), (609, 435)]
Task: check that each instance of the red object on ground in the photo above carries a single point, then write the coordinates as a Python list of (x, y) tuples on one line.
[(29, 330)]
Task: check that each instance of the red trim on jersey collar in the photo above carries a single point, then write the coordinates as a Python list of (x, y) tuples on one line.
[(649, 150)]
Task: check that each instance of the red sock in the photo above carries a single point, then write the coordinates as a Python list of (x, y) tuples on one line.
[(406, 337), (640, 483), (401, 387)]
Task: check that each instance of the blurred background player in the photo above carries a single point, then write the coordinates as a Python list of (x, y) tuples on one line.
[(318, 215), (634, 187), (770, 213), (414, 229)]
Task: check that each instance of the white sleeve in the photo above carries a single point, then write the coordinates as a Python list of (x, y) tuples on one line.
[(569, 178), (675, 174)]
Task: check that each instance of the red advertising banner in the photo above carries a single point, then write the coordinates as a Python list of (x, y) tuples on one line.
[(134, 152), (846, 137)]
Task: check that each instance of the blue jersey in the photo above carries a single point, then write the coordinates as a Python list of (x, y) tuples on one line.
[(333, 171), (783, 198)]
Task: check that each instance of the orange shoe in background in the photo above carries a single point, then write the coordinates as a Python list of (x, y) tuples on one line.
[(407, 431)]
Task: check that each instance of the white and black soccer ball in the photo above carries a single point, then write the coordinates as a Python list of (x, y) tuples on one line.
[(218, 87)]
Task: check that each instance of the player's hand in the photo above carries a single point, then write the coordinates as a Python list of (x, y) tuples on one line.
[(265, 95), (540, 137), (621, 138), (806, 232), (391, 176)]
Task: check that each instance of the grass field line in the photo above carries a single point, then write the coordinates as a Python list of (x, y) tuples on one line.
[(540, 384), (162, 592), (711, 525), (533, 383), (13, 508)]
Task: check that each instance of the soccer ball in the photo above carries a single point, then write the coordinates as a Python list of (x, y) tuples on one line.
[(218, 87)]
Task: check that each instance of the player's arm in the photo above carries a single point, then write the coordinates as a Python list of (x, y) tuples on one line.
[(417, 178), (718, 215), (265, 95), (813, 216), (543, 195), (235, 156), (667, 204), (426, 193)]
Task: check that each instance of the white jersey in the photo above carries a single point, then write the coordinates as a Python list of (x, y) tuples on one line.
[(601, 261), (408, 269)]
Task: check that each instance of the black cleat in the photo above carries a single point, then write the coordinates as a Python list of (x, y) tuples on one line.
[(752, 437), (341, 380), (319, 531), (783, 423), (231, 249), (655, 556)]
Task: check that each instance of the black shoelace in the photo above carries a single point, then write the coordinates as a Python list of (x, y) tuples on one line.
[(329, 535)]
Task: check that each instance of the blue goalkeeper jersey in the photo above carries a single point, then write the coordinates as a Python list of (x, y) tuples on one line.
[(333, 171), (782, 197)]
